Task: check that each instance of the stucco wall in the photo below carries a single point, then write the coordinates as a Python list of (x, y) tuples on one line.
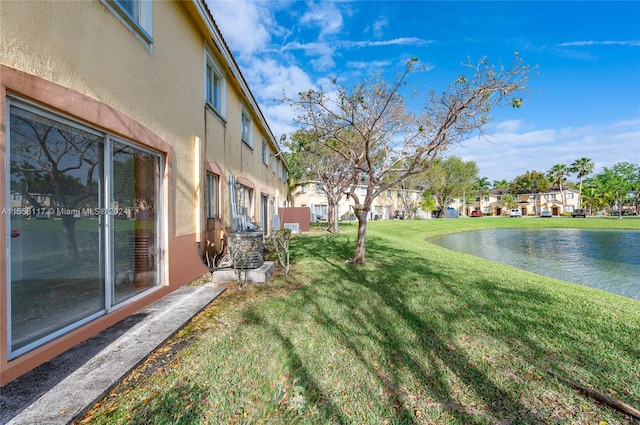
[(85, 47), (77, 58)]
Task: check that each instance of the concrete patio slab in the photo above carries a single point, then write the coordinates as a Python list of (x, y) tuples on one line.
[(63, 388)]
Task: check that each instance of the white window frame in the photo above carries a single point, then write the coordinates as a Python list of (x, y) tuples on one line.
[(214, 77), (246, 127), (140, 22)]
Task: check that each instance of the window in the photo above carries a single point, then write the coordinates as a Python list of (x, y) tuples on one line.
[(281, 172), (244, 201), (215, 85), (265, 152), (135, 15), (246, 125), (303, 188), (213, 200), (319, 213), (113, 186), (569, 195), (273, 163)]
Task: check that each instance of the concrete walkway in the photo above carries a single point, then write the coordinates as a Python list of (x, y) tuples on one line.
[(63, 388)]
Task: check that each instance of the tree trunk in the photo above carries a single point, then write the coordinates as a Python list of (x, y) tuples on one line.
[(330, 217), (361, 215), (69, 240)]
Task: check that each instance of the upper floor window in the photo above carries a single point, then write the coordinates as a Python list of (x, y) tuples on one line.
[(246, 124), (214, 85), (135, 15), (265, 152), (569, 195), (303, 188), (280, 170)]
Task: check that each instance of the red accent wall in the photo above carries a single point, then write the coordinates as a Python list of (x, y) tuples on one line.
[(300, 215)]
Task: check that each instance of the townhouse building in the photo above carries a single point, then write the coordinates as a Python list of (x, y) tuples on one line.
[(128, 139), (494, 202), (393, 203)]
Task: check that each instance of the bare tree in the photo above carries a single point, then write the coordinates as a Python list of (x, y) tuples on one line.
[(313, 161), (57, 160), (372, 129)]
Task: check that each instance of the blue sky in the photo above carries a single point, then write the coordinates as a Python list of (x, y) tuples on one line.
[(585, 102)]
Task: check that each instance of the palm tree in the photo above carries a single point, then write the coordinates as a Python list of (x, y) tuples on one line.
[(583, 167), (557, 176), (500, 183), (591, 197)]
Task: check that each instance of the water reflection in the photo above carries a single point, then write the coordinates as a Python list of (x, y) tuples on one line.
[(604, 259)]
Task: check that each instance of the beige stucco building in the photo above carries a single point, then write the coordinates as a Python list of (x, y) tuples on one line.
[(393, 203), (492, 202), (128, 138)]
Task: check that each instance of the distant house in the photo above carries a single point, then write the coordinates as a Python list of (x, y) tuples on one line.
[(392, 203), (130, 124), (494, 202)]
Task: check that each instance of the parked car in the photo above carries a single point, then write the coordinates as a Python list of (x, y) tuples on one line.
[(579, 212), (624, 212), (515, 213), (546, 214), (476, 213)]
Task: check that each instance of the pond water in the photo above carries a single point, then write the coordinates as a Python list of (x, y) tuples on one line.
[(604, 259)]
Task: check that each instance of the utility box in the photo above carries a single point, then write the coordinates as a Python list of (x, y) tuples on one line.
[(290, 216)]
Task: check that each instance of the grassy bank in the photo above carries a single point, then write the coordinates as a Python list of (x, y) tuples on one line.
[(418, 335)]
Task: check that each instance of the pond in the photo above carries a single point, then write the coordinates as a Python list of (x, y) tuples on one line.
[(603, 259)]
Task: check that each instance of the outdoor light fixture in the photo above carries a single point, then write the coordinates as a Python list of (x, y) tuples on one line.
[(282, 139)]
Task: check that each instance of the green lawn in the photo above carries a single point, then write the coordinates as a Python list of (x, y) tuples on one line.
[(419, 334)]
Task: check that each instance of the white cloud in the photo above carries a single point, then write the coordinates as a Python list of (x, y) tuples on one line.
[(632, 43), (271, 78), (514, 148), (324, 15), (378, 26), (243, 24)]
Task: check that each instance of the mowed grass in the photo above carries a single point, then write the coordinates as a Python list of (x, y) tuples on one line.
[(419, 334)]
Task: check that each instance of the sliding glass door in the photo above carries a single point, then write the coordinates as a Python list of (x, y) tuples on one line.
[(83, 222)]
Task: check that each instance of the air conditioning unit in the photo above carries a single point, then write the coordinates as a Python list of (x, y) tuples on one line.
[(294, 227)]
